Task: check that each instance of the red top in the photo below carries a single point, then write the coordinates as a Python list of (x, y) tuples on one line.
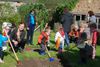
[(4, 33), (74, 33), (62, 33), (94, 37), (41, 36)]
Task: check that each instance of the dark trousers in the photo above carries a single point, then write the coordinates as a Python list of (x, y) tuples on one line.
[(42, 47), (19, 46), (73, 39), (83, 55), (42, 50), (1, 53), (30, 34)]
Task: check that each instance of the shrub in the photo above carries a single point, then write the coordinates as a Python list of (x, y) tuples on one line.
[(7, 14), (42, 14), (59, 9)]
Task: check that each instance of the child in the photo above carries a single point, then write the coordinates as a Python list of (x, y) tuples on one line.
[(47, 26), (43, 40), (94, 39), (84, 43), (2, 39), (61, 36), (81, 44), (74, 34), (88, 46)]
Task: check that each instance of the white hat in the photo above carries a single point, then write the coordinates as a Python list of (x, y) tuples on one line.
[(6, 24)]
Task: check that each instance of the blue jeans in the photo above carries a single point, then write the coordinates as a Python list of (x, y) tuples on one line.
[(67, 39), (30, 33)]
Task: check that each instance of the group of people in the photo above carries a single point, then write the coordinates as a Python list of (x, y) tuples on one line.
[(84, 35), (17, 36)]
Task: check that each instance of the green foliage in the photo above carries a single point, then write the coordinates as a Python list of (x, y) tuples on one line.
[(98, 39), (69, 4), (40, 10), (6, 10), (7, 14), (51, 4)]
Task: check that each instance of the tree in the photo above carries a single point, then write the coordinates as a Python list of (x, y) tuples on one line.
[(69, 4), (7, 13), (42, 14)]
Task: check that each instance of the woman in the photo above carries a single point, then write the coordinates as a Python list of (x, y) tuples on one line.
[(30, 27), (17, 37), (91, 17)]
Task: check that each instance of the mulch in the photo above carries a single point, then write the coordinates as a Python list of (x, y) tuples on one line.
[(40, 63)]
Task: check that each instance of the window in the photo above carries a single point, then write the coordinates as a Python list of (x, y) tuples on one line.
[(77, 17), (83, 17)]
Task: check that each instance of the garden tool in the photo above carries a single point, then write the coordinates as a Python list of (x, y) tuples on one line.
[(17, 59), (51, 59)]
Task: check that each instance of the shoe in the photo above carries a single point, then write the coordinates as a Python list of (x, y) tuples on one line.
[(1, 61), (42, 53)]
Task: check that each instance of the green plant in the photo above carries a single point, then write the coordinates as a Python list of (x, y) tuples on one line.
[(51, 4), (69, 4), (41, 12), (7, 14)]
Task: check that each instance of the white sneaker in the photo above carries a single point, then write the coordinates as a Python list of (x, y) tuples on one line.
[(1, 61)]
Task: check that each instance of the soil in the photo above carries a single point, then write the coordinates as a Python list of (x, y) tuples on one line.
[(60, 61), (40, 63)]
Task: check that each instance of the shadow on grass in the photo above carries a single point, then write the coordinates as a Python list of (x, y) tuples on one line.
[(70, 58), (52, 41), (5, 54), (67, 58)]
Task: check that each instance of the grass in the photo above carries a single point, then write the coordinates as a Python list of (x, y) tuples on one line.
[(71, 55)]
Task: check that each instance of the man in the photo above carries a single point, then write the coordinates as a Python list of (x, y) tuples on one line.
[(30, 27), (67, 21)]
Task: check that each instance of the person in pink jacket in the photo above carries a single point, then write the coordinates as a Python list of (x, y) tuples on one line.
[(94, 36)]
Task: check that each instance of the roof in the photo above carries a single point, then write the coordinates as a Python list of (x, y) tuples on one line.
[(86, 5)]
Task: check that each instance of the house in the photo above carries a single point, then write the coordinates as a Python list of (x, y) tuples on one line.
[(82, 8)]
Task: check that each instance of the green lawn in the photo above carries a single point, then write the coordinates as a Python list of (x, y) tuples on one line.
[(71, 55)]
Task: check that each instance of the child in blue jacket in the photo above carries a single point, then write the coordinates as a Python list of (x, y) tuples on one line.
[(2, 39)]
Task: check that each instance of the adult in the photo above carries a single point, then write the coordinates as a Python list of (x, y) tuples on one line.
[(17, 37), (30, 27), (91, 17), (67, 21)]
